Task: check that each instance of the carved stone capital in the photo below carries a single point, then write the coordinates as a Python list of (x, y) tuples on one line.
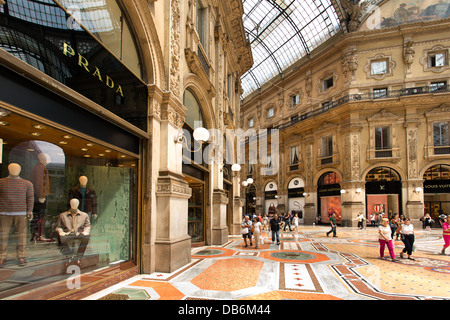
[(219, 197), (172, 187)]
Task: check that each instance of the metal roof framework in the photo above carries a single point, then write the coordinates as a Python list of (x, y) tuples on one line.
[(283, 31)]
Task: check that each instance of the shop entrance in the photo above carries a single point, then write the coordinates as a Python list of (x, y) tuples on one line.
[(196, 211), (383, 193), (329, 193), (296, 199), (437, 191)]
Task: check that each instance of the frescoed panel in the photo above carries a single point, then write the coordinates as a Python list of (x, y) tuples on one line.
[(396, 12)]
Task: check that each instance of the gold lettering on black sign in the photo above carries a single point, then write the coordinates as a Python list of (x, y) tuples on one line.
[(84, 63)]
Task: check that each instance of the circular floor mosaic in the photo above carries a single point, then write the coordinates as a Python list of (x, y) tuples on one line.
[(292, 255), (209, 252)]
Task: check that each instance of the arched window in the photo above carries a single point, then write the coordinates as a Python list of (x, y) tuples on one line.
[(107, 22), (438, 172), (329, 178), (382, 174), (194, 115)]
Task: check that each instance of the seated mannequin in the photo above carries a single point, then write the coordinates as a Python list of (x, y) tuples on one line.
[(73, 225)]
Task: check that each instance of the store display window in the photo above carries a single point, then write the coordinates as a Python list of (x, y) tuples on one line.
[(66, 200), (329, 193)]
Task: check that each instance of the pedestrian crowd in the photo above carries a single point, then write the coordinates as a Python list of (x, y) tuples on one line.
[(397, 227)]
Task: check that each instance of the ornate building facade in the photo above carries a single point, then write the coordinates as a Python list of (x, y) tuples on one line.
[(362, 122), (111, 91)]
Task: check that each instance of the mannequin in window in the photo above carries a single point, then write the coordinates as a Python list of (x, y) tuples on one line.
[(73, 225), (16, 205), (87, 198), (41, 183)]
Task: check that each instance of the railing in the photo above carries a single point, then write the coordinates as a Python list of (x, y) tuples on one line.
[(355, 97), (202, 58), (441, 149), (383, 153), (364, 96)]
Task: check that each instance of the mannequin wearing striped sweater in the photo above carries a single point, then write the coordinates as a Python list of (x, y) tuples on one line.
[(16, 206)]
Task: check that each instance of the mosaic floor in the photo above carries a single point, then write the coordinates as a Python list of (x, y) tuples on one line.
[(307, 265)]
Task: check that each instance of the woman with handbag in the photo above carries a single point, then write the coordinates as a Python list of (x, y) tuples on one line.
[(256, 230), (406, 231)]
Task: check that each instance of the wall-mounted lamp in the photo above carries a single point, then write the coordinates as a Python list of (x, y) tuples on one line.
[(305, 194), (236, 167), (359, 190), (200, 135), (247, 182), (418, 190), (343, 191)]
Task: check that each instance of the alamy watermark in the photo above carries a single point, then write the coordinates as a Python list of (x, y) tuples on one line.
[(234, 147)]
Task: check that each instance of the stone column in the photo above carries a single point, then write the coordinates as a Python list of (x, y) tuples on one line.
[(150, 173), (414, 185), (310, 189), (172, 243), (352, 201), (219, 234)]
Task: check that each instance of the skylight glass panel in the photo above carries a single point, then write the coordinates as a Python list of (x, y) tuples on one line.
[(282, 32)]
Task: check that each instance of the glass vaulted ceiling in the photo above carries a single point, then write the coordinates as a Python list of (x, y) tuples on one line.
[(283, 31)]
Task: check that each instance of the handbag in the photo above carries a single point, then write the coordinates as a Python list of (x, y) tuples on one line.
[(252, 229)]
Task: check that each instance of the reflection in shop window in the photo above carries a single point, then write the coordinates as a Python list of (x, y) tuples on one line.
[(61, 166)]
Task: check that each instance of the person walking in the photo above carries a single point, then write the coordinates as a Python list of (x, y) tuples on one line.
[(333, 225), (360, 218), (296, 222), (275, 228), (406, 231), (446, 233), (246, 234), (287, 222), (385, 238), (256, 231), (372, 219), (266, 222), (394, 224), (428, 222)]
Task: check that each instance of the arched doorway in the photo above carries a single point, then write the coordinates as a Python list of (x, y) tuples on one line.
[(296, 199), (329, 197), (195, 170), (271, 198), (437, 190), (250, 201), (383, 192)]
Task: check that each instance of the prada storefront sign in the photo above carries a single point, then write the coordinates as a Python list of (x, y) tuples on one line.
[(73, 57), (436, 186)]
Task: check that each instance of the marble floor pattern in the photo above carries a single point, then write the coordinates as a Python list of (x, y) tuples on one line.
[(307, 265)]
